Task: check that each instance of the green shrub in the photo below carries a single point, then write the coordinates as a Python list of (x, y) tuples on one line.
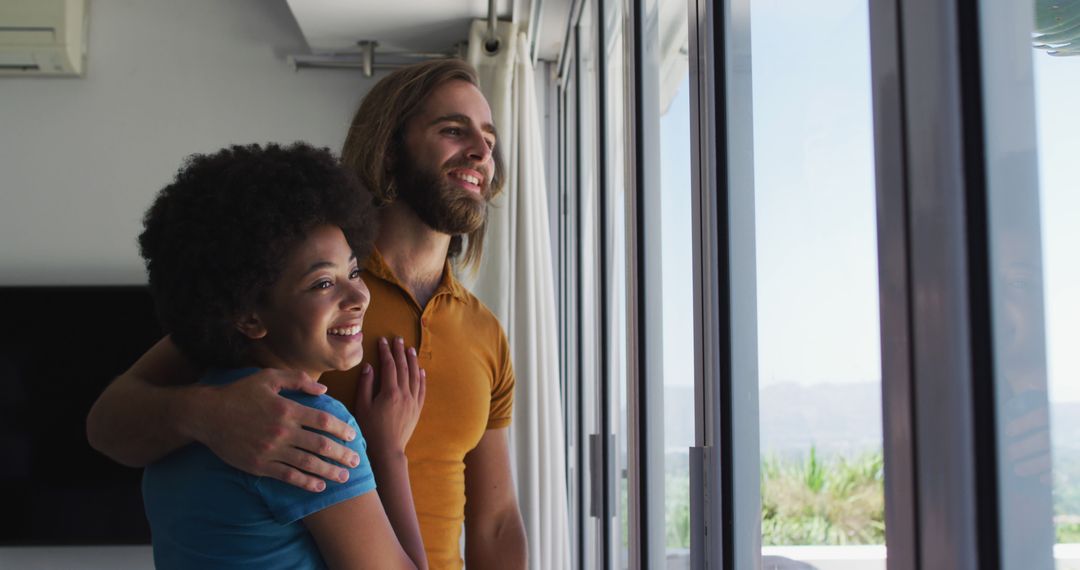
[(677, 510), (835, 501), (1067, 532)]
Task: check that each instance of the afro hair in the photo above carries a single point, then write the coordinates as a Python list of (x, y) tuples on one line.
[(216, 238)]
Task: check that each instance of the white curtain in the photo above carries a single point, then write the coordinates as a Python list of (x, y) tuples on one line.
[(516, 280)]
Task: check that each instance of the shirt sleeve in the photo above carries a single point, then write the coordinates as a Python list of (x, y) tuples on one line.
[(502, 389), (288, 503)]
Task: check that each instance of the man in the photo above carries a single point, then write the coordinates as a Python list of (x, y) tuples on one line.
[(424, 144)]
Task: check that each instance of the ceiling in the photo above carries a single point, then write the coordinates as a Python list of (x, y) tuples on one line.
[(418, 25)]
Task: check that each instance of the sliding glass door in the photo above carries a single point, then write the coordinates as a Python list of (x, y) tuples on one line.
[(817, 264)]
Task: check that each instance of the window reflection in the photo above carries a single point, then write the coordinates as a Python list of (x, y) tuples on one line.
[(1037, 276), (1057, 278)]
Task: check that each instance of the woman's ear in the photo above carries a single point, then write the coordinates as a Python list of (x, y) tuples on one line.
[(250, 326)]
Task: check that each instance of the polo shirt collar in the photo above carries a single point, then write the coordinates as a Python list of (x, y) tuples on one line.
[(377, 266)]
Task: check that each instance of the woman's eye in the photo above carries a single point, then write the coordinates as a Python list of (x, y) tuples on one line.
[(354, 274), (324, 284)]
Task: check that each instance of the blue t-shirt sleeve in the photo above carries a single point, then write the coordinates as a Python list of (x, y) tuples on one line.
[(288, 503)]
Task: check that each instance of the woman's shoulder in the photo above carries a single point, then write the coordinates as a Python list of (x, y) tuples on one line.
[(322, 402)]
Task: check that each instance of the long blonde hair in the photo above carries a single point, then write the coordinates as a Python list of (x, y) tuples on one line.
[(378, 131)]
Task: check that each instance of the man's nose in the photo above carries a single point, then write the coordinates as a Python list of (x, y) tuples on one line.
[(478, 150)]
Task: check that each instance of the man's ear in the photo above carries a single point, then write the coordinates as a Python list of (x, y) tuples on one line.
[(250, 326)]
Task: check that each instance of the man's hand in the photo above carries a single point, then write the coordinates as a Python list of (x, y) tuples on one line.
[(387, 415), (250, 426)]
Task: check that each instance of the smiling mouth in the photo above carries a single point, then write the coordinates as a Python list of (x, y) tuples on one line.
[(471, 183), (345, 331), (468, 178)]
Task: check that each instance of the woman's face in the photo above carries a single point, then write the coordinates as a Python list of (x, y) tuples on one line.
[(314, 314)]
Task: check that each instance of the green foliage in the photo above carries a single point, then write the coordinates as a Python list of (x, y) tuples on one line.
[(839, 501), (1066, 492), (814, 472), (815, 501), (1066, 482), (677, 510), (676, 507), (1067, 532)]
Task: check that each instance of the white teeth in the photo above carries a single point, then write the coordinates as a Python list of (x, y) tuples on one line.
[(468, 178), (347, 331)]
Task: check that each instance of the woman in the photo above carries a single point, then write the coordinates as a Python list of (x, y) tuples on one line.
[(254, 257)]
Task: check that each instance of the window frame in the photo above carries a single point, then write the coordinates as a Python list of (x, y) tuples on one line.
[(940, 412)]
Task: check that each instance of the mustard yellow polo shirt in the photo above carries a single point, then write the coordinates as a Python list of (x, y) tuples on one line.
[(470, 389)]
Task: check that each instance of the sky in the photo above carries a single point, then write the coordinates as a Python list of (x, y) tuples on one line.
[(815, 205)]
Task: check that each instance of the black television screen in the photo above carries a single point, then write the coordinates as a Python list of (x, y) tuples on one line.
[(59, 347)]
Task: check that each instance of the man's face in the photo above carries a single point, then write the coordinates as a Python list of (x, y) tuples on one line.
[(446, 172)]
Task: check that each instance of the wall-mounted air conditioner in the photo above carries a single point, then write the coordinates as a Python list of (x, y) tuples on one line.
[(42, 37)]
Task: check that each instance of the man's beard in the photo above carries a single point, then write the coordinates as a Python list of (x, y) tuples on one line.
[(441, 205)]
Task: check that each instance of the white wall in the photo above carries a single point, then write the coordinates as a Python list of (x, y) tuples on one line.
[(81, 159)]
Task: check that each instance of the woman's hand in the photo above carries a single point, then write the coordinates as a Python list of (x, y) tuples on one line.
[(388, 416)]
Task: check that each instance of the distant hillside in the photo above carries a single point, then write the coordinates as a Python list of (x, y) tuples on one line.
[(836, 418), (1065, 427)]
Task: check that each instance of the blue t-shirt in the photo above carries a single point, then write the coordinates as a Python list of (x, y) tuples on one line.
[(204, 513)]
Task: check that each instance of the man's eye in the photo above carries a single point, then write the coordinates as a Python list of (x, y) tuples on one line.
[(452, 131), (490, 143)]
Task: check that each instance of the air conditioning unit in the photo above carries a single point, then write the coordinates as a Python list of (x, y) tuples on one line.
[(42, 37)]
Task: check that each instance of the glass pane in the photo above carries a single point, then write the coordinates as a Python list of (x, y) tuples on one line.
[(1057, 80), (591, 294), (822, 493), (569, 311), (678, 306), (677, 277), (615, 246), (678, 340), (1033, 209)]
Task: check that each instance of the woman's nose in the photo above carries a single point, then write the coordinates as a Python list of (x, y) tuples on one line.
[(357, 298)]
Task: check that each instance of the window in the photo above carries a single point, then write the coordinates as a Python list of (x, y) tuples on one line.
[(819, 365), (822, 284), (1031, 212), (1059, 135)]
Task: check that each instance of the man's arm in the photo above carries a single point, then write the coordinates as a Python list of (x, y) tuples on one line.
[(494, 531), (131, 420), (155, 408)]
